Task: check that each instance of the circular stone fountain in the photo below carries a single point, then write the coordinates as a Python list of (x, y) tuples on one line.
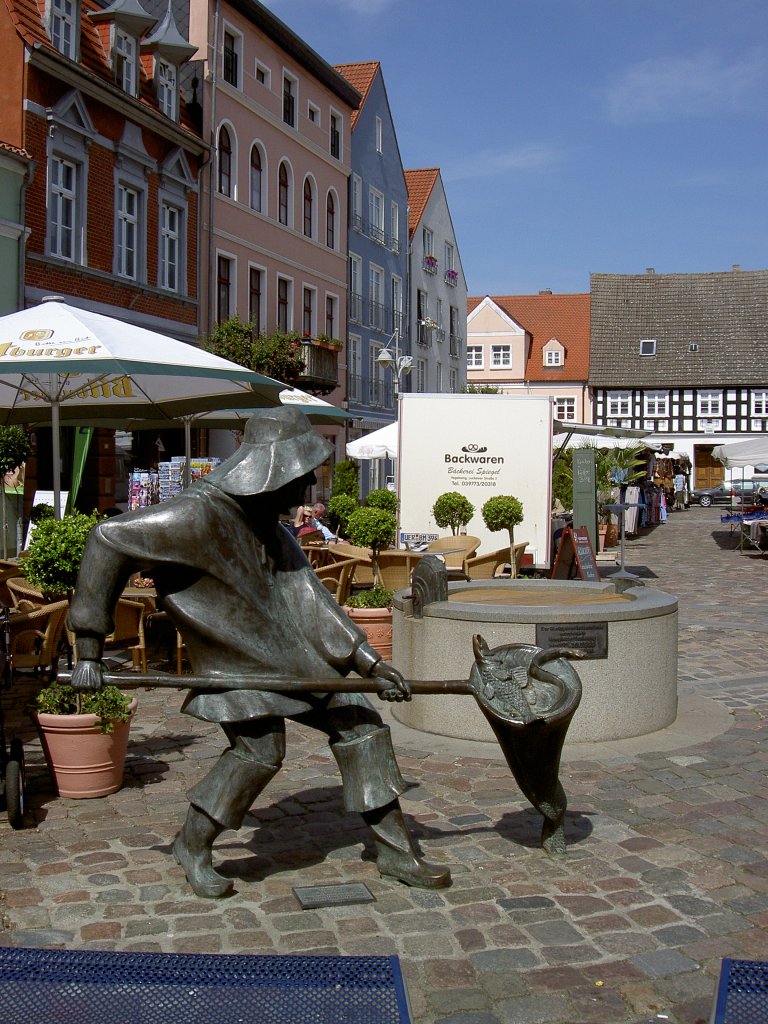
[(630, 689)]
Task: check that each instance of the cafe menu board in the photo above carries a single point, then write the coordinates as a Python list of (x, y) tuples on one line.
[(575, 557)]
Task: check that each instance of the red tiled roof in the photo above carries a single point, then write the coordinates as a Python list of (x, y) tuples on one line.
[(360, 76), (420, 184), (546, 316), (6, 147)]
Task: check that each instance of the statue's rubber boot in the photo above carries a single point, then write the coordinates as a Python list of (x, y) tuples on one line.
[(192, 849), (396, 853)]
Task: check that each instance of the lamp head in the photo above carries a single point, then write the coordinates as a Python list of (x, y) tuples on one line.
[(386, 359)]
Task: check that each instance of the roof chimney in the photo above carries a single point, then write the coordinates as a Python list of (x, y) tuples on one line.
[(650, 270), (545, 291), (736, 268)]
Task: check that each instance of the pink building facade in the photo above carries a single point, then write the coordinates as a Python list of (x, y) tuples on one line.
[(273, 243)]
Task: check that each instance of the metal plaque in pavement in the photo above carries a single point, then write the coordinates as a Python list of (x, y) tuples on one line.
[(589, 637), (312, 896)]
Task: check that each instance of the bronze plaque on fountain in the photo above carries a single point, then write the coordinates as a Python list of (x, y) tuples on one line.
[(591, 638)]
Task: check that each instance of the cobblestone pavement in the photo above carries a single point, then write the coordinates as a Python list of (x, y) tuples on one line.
[(666, 871)]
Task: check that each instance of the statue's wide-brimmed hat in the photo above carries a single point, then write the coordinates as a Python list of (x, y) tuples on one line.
[(279, 445)]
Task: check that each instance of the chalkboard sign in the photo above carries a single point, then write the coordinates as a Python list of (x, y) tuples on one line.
[(575, 556)]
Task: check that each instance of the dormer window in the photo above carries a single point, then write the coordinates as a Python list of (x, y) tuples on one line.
[(124, 61), (169, 49), (553, 353), (63, 26), (648, 347), (165, 79), (128, 22)]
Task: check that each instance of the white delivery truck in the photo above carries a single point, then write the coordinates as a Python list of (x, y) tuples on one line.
[(480, 446)]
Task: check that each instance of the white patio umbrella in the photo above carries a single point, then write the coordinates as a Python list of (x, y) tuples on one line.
[(61, 363), (379, 444), (751, 452), (315, 409)]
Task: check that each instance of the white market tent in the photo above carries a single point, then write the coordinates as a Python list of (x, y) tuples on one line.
[(753, 452), (379, 444), (382, 443)]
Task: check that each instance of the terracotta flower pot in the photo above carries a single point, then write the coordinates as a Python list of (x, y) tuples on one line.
[(84, 761), (377, 623)]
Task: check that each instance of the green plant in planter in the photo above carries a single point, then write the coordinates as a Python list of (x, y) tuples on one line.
[(109, 703), (504, 512), (452, 511), (55, 551), (376, 597), (340, 508), (373, 528)]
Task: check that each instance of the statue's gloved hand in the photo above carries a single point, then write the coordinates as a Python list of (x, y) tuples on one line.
[(88, 675), (394, 687)]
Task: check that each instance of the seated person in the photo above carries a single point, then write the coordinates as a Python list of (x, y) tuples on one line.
[(307, 520)]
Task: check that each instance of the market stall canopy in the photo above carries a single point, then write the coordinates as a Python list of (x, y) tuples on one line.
[(379, 444), (582, 435), (752, 452), (60, 362)]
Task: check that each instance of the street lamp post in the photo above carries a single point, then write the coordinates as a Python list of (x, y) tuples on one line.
[(400, 365)]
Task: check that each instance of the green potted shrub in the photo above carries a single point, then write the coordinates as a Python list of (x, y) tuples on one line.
[(84, 737), (372, 611), (452, 510), (504, 512), (374, 528), (55, 551)]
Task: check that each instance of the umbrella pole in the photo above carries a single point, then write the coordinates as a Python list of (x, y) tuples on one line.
[(56, 457), (187, 450)]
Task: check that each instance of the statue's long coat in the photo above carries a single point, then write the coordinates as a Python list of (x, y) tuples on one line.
[(246, 602)]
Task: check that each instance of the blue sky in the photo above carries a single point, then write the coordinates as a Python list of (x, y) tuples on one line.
[(574, 136)]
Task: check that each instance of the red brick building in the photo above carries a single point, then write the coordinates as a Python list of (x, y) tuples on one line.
[(93, 95)]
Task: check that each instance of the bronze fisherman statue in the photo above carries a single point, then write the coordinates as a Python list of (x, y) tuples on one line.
[(247, 603)]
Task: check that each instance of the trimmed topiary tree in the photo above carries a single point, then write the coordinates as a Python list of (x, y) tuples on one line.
[(373, 528), (504, 512), (382, 497), (55, 552), (452, 511)]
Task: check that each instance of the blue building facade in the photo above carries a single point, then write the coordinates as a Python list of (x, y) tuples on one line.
[(378, 262)]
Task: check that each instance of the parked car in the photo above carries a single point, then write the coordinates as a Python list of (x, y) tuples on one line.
[(727, 493)]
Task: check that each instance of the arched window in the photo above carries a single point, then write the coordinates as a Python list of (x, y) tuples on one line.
[(308, 203), (283, 194), (255, 178), (330, 222), (225, 162)]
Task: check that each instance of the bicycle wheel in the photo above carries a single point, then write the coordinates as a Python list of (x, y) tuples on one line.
[(14, 785)]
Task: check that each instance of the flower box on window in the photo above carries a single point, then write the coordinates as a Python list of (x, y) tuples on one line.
[(430, 264), (451, 277)]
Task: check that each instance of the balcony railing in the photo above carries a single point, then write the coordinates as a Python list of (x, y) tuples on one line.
[(399, 323), (429, 263), (358, 223), (454, 345), (438, 334), (452, 277), (320, 373), (356, 307), (377, 234), (377, 315)]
